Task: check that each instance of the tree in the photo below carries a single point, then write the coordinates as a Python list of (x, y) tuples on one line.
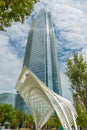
[(16, 118), (29, 121), (76, 70), (7, 113), (81, 112), (21, 116), (82, 117), (53, 121), (24, 120), (14, 10)]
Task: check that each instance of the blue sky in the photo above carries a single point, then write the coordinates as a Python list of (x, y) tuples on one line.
[(70, 22)]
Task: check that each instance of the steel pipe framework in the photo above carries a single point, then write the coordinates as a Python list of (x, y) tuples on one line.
[(43, 101)]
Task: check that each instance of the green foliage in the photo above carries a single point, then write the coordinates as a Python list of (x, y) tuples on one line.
[(7, 113), (29, 120), (15, 118), (18, 118), (82, 116), (20, 115), (76, 70), (23, 118), (14, 10), (54, 121)]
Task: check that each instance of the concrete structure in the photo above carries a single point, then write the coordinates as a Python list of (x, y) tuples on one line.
[(43, 101)]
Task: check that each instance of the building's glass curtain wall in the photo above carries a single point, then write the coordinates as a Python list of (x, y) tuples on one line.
[(7, 98), (41, 55), (36, 59)]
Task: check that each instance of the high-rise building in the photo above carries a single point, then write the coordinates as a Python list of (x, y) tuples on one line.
[(41, 54), (7, 98)]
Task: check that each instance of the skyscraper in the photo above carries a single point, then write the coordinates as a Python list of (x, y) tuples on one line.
[(41, 54)]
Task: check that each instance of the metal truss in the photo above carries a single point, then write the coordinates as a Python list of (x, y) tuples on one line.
[(43, 101)]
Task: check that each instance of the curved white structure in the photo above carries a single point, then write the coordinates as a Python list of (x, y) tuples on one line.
[(43, 101)]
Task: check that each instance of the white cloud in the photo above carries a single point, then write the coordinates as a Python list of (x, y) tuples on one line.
[(84, 53), (9, 65), (19, 32), (10, 62), (65, 87), (3, 41), (80, 4)]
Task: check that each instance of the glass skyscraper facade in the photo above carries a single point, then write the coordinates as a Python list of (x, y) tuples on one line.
[(41, 55), (7, 98)]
